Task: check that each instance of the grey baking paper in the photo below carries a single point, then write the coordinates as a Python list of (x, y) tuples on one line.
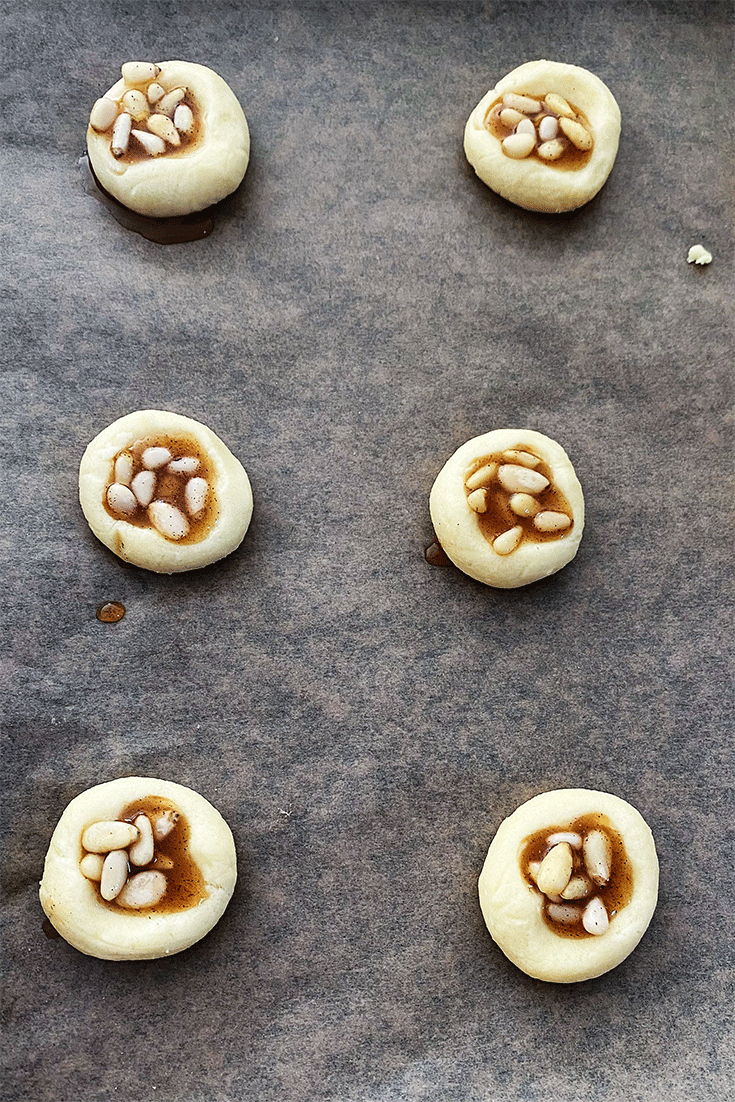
[(363, 720)]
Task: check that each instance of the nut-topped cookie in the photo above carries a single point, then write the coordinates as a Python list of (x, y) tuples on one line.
[(507, 508), (164, 492), (137, 868), (168, 139), (545, 137), (570, 884)]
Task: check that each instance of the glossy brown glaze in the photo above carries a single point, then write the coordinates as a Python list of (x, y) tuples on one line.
[(186, 886), (164, 231), (111, 612), (615, 894), (499, 517), (170, 487), (571, 159), (135, 151), (435, 555)]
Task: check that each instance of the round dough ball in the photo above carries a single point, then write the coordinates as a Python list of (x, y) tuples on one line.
[(512, 908), (531, 182), (135, 540), (181, 180), (72, 903), (459, 529)]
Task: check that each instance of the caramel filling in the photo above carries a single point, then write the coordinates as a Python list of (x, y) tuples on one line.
[(570, 158), (185, 885), (169, 486), (187, 141), (614, 893), (498, 516)]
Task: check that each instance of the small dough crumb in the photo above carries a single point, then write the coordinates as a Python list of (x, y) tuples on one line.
[(699, 255)]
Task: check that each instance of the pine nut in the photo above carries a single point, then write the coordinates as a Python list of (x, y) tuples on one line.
[(525, 126), (143, 486), (153, 458), (518, 146), (549, 521), (139, 72), (556, 869), (533, 867), (145, 889), (507, 542), (558, 105), (525, 104), (594, 917), (484, 474), (510, 117), (114, 874), (168, 520), (164, 824), (103, 837), (548, 128), (124, 468), (520, 480), (578, 135), (103, 114), (577, 888), (136, 104), (153, 145), (477, 501), (187, 464), (121, 499), (563, 913), (91, 866), (141, 853), (574, 840), (162, 126), (523, 505), (170, 101), (154, 92), (597, 856), (551, 150), (195, 495), (524, 459), (121, 134), (184, 119)]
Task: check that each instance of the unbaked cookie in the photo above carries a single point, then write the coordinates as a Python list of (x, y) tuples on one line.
[(138, 868), (507, 508), (545, 137), (163, 492), (168, 139), (570, 884)]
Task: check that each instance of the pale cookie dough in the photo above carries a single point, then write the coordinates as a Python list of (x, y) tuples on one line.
[(595, 860), (138, 868), (507, 508), (699, 255), (168, 139), (580, 138), (163, 492)]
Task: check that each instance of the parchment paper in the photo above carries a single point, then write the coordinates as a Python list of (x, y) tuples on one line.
[(365, 721)]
